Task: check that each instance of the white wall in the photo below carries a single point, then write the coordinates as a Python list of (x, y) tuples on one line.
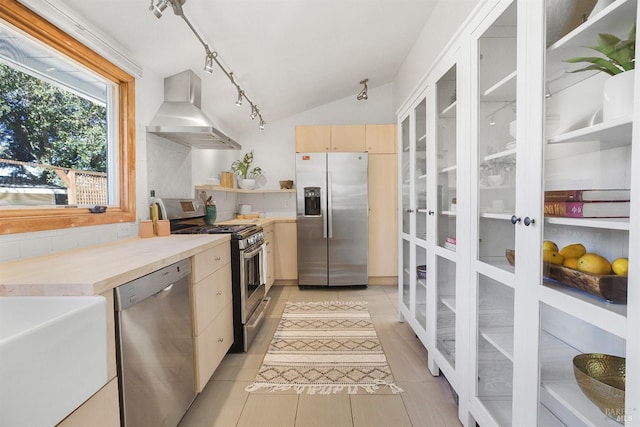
[(443, 24), (172, 170), (274, 147)]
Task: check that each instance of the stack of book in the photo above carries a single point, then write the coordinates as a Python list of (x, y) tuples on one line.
[(450, 243), (587, 203)]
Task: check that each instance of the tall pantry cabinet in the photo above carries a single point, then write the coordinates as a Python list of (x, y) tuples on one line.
[(525, 125)]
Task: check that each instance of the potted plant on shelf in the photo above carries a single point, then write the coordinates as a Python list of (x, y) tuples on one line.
[(619, 63), (246, 174), (494, 169)]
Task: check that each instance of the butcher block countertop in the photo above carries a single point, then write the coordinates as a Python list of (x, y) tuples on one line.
[(93, 270)]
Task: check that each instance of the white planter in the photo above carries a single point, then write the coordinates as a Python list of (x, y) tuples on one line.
[(617, 99), (247, 184), (495, 180)]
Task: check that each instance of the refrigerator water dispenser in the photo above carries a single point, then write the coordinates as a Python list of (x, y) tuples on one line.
[(312, 201)]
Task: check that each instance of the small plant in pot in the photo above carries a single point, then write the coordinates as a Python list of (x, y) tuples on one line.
[(247, 175), (619, 62)]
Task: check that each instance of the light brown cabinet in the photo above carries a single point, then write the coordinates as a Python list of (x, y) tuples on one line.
[(330, 138), (381, 139), (100, 410), (268, 238), (313, 139), (285, 250), (348, 138), (212, 310), (383, 200)]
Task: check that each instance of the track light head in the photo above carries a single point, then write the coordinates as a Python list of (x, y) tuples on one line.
[(362, 96), (254, 112), (240, 95), (158, 8), (208, 63)]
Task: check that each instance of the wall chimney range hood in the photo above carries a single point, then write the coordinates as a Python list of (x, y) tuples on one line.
[(180, 118)]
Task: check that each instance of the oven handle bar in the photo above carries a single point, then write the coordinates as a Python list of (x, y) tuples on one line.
[(251, 254)]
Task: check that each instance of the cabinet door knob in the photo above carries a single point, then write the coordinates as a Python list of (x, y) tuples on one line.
[(430, 212), (217, 258), (409, 210), (218, 292), (220, 339), (528, 221), (515, 219)]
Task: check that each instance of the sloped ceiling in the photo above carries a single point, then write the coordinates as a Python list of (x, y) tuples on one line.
[(288, 55)]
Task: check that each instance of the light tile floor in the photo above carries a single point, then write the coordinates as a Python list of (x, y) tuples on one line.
[(426, 401)]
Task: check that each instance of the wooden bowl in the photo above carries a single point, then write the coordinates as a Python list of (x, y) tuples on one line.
[(286, 185), (511, 256)]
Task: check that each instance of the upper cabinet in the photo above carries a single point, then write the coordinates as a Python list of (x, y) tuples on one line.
[(381, 139), (330, 138)]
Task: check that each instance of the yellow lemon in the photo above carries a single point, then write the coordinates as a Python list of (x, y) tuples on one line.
[(552, 256), (620, 266), (575, 250), (548, 245), (571, 263), (594, 264)]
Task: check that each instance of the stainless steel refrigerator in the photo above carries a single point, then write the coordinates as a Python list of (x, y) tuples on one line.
[(332, 218)]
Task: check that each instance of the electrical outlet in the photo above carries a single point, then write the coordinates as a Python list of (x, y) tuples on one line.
[(124, 229)]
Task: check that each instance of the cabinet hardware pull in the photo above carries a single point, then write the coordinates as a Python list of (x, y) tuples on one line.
[(409, 210), (220, 339), (217, 258), (528, 221), (515, 219), (219, 293), (430, 212)]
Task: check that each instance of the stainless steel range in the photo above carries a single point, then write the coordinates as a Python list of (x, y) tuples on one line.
[(248, 263)]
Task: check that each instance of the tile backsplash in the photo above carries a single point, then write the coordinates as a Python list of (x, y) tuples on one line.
[(271, 204)]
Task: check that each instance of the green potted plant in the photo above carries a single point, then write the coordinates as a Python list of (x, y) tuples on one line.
[(619, 62), (247, 175)]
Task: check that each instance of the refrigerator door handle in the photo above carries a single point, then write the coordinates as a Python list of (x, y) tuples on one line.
[(329, 206)]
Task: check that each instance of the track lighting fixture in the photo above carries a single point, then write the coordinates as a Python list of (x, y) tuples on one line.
[(240, 95), (211, 57), (547, 93), (208, 63), (363, 93), (492, 120), (158, 8)]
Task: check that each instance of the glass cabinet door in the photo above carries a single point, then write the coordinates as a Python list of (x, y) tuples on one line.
[(495, 54), (588, 156), (405, 191), (445, 215), (420, 169)]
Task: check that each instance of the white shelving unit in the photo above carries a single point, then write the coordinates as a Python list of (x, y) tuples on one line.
[(505, 335)]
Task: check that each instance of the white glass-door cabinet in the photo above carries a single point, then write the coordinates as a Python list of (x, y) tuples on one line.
[(412, 280), (589, 146), (496, 207)]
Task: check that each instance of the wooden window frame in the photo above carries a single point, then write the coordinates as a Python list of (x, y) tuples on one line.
[(38, 219)]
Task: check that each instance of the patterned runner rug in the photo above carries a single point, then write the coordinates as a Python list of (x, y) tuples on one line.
[(325, 347)]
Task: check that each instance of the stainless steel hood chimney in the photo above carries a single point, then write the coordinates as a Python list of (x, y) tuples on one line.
[(180, 118)]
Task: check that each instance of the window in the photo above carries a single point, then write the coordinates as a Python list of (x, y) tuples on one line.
[(78, 150)]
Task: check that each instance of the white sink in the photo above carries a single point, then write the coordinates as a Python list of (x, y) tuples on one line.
[(53, 356)]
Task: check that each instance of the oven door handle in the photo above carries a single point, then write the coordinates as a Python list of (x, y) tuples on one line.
[(251, 254)]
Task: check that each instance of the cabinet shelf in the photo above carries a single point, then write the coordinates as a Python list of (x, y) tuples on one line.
[(241, 190), (449, 301), (605, 315), (500, 154), (448, 169), (499, 408), (501, 338), (605, 223), (449, 111), (503, 90), (616, 18), (610, 134)]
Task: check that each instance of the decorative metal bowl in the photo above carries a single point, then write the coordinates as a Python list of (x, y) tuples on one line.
[(601, 378), (421, 270)]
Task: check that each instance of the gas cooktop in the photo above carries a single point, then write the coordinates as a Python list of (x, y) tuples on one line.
[(236, 231)]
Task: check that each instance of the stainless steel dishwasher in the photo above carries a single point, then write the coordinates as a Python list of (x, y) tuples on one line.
[(155, 347)]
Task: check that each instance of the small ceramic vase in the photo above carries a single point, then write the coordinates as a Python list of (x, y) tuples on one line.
[(210, 214)]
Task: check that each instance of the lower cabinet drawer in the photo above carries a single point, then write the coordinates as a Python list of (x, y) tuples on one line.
[(209, 297), (212, 345), (206, 262)]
